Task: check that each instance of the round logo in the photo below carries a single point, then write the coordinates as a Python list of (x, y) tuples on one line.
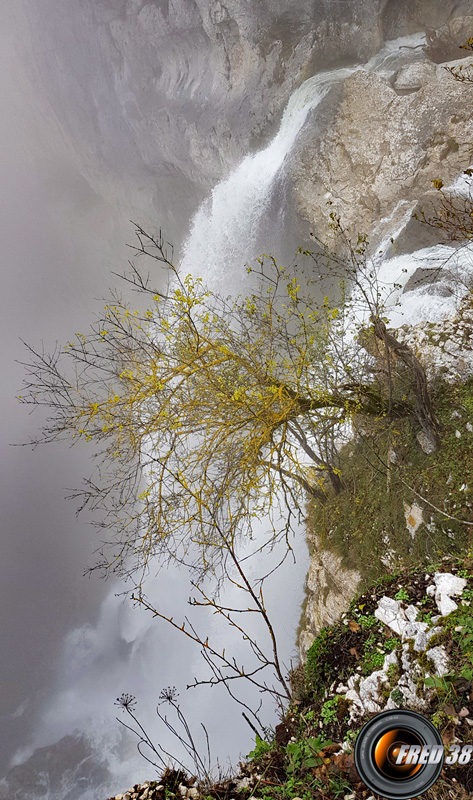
[(399, 754)]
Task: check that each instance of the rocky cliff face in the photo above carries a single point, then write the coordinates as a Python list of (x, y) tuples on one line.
[(330, 588), (176, 93), (379, 146)]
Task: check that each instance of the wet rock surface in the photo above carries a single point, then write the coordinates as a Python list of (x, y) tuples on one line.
[(177, 93), (376, 154), (446, 346)]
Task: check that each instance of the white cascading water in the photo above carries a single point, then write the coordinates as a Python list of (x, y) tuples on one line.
[(224, 231), (225, 228)]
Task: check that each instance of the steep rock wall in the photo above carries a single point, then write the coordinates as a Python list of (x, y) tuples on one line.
[(177, 92), (379, 146)]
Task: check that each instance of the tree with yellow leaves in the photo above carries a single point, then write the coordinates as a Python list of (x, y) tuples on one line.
[(208, 411)]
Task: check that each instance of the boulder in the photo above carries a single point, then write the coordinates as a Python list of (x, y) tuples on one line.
[(412, 77), (372, 154), (445, 42)]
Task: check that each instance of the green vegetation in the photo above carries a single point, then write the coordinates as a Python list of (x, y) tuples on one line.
[(329, 711), (401, 595), (305, 753), (384, 472), (305, 764), (261, 747)]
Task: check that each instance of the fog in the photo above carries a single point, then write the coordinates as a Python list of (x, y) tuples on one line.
[(69, 645), (61, 237)]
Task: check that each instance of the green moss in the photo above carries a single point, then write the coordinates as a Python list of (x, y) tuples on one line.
[(367, 518), (318, 673), (440, 638), (372, 658), (397, 696)]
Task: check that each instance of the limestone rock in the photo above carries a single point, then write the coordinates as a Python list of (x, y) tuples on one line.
[(390, 612), (445, 346), (428, 446), (445, 605), (403, 622), (444, 42), (330, 588), (414, 518), (412, 77), (447, 585), (440, 660), (243, 783), (374, 153), (411, 613)]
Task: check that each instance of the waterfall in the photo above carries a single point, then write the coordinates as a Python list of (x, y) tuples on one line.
[(224, 231)]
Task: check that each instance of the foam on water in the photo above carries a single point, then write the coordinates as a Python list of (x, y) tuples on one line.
[(453, 267), (428, 301)]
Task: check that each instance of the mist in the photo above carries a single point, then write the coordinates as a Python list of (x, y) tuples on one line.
[(70, 644)]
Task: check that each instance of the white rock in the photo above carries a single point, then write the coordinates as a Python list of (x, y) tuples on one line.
[(413, 628), (405, 660), (445, 605), (182, 790), (469, 427), (426, 442), (430, 525), (390, 612), (458, 434), (369, 691), (392, 456), (411, 613), (420, 642), (449, 584), (369, 697), (195, 792), (439, 658), (446, 585), (409, 690), (414, 518), (244, 783)]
